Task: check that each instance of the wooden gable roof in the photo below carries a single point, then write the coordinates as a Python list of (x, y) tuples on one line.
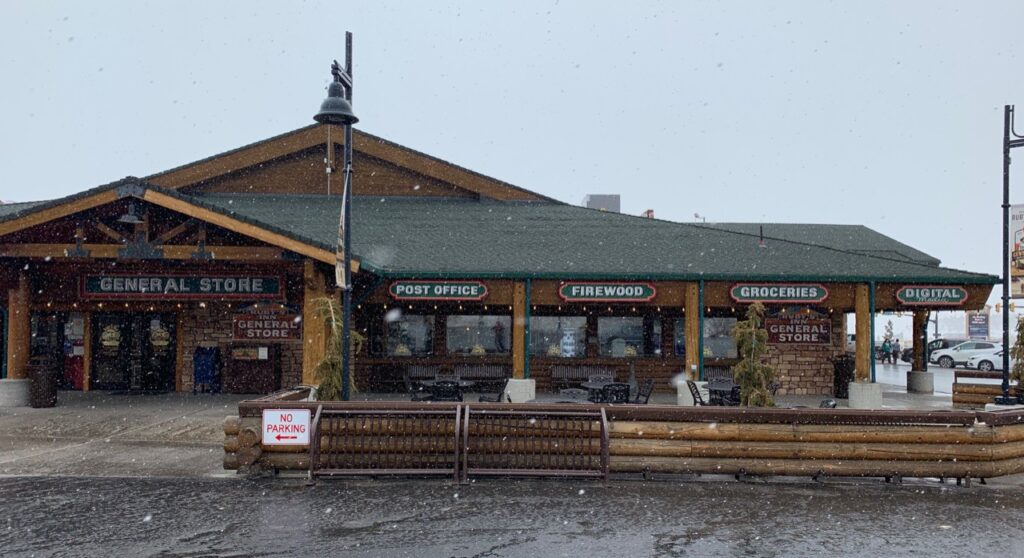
[(292, 163)]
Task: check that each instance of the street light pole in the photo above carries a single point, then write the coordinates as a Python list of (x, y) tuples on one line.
[(337, 109), (1010, 140)]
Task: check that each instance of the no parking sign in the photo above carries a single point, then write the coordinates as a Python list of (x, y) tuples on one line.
[(286, 427)]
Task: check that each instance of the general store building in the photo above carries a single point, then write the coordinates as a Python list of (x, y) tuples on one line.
[(219, 262)]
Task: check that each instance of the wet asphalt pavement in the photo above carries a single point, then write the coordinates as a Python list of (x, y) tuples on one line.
[(64, 516)]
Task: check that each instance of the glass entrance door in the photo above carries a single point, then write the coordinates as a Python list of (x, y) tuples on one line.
[(133, 351)]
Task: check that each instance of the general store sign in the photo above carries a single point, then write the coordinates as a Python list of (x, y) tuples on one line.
[(606, 292), (286, 427), (438, 290), (266, 327), (166, 287), (799, 329), (785, 293), (932, 296)]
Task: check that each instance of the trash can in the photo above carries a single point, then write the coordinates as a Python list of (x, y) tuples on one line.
[(42, 384), (843, 367)]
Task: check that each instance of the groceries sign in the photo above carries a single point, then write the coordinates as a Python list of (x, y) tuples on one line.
[(932, 296), (785, 293), (606, 292), (166, 287), (438, 290)]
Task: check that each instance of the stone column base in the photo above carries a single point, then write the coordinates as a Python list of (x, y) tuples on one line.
[(920, 382), (521, 391), (864, 395), (14, 393), (994, 407)]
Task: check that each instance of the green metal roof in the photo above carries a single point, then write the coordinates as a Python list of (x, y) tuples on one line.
[(12, 209), (852, 238), (445, 237)]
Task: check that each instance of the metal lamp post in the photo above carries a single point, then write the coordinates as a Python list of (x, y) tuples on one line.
[(337, 109), (1010, 140)]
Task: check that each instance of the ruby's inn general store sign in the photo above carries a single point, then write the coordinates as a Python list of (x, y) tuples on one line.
[(799, 328), (177, 287)]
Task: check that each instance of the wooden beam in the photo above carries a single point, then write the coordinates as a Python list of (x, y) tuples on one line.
[(240, 227), (173, 252), (18, 328), (57, 211), (110, 232), (863, 341), (172, 233), (519, 347)]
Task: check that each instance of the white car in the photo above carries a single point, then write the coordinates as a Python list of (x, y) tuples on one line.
[(987, 361), (948, 358)]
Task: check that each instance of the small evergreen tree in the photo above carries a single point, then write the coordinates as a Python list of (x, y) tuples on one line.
[(888, 331), (1017, 355), (328, 370), (751, 373)]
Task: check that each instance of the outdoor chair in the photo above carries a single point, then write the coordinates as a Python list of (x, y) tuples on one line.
[(698, 401), (416, 393), (733, 398), (615, 393), (498, 397), (446, 390), (643, 395), (827, 404), (773, 388)]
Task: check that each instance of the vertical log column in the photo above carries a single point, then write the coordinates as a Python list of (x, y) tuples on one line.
[(87, 351), (314, 327), (692, 327), (519, 347), (862, 306), (18, 329), (920, 339)]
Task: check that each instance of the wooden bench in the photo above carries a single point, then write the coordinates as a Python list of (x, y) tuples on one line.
[(563, 376), (717, 373), (486, 374)]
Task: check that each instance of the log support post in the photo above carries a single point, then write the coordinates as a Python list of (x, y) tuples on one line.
[(314, 327), (692, 315), (920, 340), (14, 389), (519, 326), (864, 341)]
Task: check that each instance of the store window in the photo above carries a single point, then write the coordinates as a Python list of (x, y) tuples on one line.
[(410, 335), (558, 336), (718, 341), (479, 335), (629, 336)]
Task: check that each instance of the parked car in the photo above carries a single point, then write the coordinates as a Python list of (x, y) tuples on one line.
[(987, 361), (948, 358), (933, 345)]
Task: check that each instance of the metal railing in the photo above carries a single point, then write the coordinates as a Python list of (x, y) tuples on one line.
[(459, 441), (520, 442), (385, 442)]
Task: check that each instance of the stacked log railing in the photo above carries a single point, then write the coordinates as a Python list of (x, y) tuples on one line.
[(974, 394), (652, 440)]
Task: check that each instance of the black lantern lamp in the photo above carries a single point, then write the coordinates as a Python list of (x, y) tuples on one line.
[(131, 218), (336, 109)]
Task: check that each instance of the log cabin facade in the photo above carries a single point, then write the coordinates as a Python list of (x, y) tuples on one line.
[(139, 284)]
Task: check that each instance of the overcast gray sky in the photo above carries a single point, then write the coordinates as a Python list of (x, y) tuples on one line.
[(887, 114)]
